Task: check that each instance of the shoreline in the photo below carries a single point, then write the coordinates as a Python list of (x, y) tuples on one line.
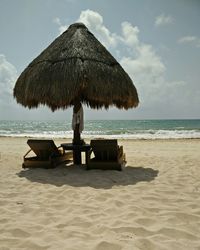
[(100, 137)]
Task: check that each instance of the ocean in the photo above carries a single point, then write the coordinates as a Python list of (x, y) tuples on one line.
[(122, 129)]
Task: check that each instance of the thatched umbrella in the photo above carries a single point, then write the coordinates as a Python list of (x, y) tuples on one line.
[(75, 68)]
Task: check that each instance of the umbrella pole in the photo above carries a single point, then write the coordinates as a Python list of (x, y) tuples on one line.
[(77, 138), (77, 152)]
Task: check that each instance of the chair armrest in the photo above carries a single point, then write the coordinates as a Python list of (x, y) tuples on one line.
[(120, 151), (27, 153), (61, 150), (89, 154), (121, 155)]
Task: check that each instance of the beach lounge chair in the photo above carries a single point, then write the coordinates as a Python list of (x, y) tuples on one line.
[(47, 154), (107, 155)]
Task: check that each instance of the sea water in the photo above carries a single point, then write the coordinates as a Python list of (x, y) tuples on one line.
[(124, 129)]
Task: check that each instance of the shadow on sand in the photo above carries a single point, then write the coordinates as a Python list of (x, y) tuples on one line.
[(77, 176)]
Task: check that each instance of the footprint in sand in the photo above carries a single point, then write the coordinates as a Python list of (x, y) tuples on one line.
[(104, 245), (19, 233)]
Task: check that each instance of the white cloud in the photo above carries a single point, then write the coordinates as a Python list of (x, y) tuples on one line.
[(94, 22), (62, 27), (163, 19), (130, 34), (190, 40), (187, 39), (143, 65), (8, 76), (147, 70)]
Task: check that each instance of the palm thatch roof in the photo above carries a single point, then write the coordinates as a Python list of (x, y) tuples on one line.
[(76, 66)]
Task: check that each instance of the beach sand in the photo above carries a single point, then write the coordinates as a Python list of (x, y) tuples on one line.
[(154, 203)]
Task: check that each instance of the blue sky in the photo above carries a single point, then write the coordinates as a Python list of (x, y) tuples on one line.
[(156, 41)]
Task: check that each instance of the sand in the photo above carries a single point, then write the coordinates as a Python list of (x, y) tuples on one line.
[(154, 203)]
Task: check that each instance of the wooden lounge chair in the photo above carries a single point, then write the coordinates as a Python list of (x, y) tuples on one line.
[(47, 154), (108, 155)]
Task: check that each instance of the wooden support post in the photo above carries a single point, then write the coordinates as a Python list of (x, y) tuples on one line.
[(77, 137), (76, 141)]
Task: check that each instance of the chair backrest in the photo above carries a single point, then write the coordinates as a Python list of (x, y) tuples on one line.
[(105, 150), (43, 148)]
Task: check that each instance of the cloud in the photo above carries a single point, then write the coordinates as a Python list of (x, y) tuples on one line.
[(8, 76), (143, 65), (130, 34), (94, 22), (62, 27), (193, 40), (187, 39), (158, 96), (163, 19)]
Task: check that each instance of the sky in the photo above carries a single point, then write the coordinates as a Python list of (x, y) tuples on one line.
[(157, 42)]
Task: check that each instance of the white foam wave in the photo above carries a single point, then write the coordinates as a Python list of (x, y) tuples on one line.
[(145, 134)]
